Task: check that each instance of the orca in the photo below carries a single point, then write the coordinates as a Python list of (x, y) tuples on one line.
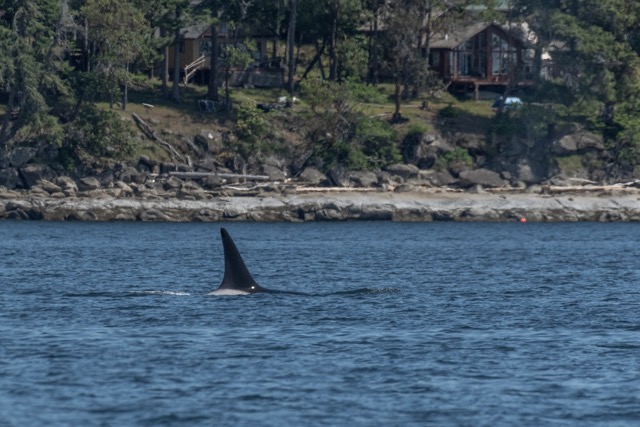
[(236, 280)]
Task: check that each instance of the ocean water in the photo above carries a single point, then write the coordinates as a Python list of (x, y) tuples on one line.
[(443, 324)]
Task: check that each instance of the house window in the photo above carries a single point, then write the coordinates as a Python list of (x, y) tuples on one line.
[(181, 46), (503, 56), (434, 59), (222, 29), (205, 47)]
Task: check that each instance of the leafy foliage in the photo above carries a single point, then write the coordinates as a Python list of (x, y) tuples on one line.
[(96, 132)]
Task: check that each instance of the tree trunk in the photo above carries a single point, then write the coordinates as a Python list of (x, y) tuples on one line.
[(316, 59), (373, 50), (165, 68), (212, 92), (5, 134), (333, 45), (398, 88), (291, 37), (176, 59)]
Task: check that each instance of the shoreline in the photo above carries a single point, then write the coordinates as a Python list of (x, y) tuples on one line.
[(545, 204)]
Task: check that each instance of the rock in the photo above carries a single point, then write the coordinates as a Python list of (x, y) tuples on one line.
[(66, 183), (129, 174), (153, 215), (589, 140), (19, 156), (439, 178), (172, 183), (565, 145), (483, 177), (126, 190), (402, 170), (147, 162), (49, 187), (313, 176), (32, 173), (88, 183), (10, 178), (339, 176), (168, 167), (364, 179), (274, 172), (211, 182)]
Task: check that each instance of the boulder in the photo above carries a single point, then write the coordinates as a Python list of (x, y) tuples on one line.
[(273, 172), (483, 177), (88, 183), (439, 178), (66, 183), (403, 171), (339, 176), (363, 179), (49, 187), (10, 178), (313, 176), (172, 183), (566, 145), (32, 173), (19, 156), (129, 174)]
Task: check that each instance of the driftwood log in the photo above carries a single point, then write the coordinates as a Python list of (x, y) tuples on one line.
[(150, 133), (196, 175)]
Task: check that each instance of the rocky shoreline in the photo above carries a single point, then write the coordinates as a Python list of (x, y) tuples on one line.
[(270, 202)]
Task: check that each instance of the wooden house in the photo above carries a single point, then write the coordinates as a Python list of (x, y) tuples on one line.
[(480, 55), (195, 57)]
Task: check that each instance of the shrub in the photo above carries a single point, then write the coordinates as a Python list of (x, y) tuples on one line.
[(96, 132), (459, 156)]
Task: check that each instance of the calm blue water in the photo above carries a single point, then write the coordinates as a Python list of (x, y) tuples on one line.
[(443, 324)]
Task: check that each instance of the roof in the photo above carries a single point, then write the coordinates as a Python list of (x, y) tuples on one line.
[(194, 31), (451, 40)]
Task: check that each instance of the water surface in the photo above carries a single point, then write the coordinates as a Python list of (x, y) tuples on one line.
[(405, 324)]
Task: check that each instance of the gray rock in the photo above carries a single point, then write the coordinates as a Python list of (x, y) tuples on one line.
[(172, 183), (88, 183), (590, 141), (483, 177), (66, 183), (32, 173), (566, 145), (153, 215), (129, 174), (313, 176), (339, 176), (402, 170), (10, 178), (273, 172), (19, 156), (439, 178), (364, 179), (49, 187)]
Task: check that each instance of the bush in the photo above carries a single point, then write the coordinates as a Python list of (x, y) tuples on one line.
[(99, 133), (449, 112), (378, 141), (459, 156), (360, 92)]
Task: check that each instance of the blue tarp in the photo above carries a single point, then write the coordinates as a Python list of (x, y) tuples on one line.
[(510, 102)]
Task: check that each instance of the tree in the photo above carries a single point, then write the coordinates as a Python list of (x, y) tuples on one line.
[(29, 70), (117, 31)]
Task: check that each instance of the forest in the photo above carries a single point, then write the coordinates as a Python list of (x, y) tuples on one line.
[(67, 66)]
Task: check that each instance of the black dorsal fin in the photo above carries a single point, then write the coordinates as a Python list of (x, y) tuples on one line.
[(236, 274)]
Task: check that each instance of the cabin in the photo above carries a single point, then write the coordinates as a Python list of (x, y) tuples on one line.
[(195, 57), (480, 55)]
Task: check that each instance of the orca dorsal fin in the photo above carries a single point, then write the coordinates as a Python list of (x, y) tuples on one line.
[(236, 275)]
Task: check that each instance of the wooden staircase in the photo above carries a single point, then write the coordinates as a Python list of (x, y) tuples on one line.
[(192, 68)]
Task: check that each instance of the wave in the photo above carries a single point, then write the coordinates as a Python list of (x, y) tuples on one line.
[(177, 293), (365, 291)]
